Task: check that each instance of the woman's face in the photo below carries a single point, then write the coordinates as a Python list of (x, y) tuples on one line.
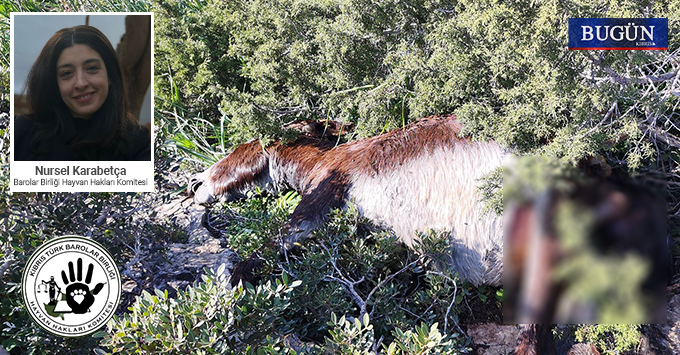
[(83, 81)]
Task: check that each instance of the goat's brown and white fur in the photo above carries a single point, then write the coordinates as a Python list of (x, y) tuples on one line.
[(420, 178)]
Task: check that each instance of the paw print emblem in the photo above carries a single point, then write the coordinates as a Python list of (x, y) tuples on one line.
[(78, 294), (71, 286)]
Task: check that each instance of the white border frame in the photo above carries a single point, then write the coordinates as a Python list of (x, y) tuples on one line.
[(27, 171)]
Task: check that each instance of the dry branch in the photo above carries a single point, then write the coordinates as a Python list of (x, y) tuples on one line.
[(658, 134)]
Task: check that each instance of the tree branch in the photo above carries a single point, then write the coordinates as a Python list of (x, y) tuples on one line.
[(615, 77), (349, 284), (657, 133)]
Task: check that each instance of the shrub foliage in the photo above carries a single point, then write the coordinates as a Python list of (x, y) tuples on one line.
[(229, 71), (503, 68)]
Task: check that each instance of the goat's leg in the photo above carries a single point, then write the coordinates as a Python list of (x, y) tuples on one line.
[(328, 193)]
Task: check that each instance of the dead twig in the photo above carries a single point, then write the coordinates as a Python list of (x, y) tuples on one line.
[(349, 284), (615, 77), (657, 133)]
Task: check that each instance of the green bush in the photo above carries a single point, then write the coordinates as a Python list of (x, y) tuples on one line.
[(212, 318), (352, 268), (612, 339), (231, 71), (502, 68), (425, 340), (209, 318), (357, 338), (120, 222)]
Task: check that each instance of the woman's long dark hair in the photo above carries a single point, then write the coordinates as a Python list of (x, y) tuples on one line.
[(112, 126)]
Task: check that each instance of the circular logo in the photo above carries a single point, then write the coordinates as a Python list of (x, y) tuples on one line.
[(71, 286)]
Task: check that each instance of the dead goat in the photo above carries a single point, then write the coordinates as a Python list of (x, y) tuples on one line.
[(418, 178)]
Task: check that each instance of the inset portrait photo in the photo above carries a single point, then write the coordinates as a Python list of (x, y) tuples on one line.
[(82, 102)]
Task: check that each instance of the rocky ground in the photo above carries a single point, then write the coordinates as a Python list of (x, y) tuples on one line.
[(176, 265)]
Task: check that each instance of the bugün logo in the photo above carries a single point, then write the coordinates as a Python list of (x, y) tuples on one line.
[(630, 32), (618, 33)]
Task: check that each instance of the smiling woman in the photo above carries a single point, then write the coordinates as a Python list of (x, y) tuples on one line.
[(83, 82), (77, 99)]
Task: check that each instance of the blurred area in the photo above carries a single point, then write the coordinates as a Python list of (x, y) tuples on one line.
[(583, 246)]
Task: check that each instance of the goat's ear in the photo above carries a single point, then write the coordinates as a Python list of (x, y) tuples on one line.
[(336, 128), (320, 129), (595, 166)]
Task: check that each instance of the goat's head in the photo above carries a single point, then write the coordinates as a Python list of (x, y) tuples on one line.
[(231, 177), (248, 165)]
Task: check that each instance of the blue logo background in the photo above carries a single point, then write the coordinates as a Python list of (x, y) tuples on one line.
[(630, 28)]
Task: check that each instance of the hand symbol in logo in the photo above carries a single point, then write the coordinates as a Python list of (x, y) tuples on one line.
[(78, 295)]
